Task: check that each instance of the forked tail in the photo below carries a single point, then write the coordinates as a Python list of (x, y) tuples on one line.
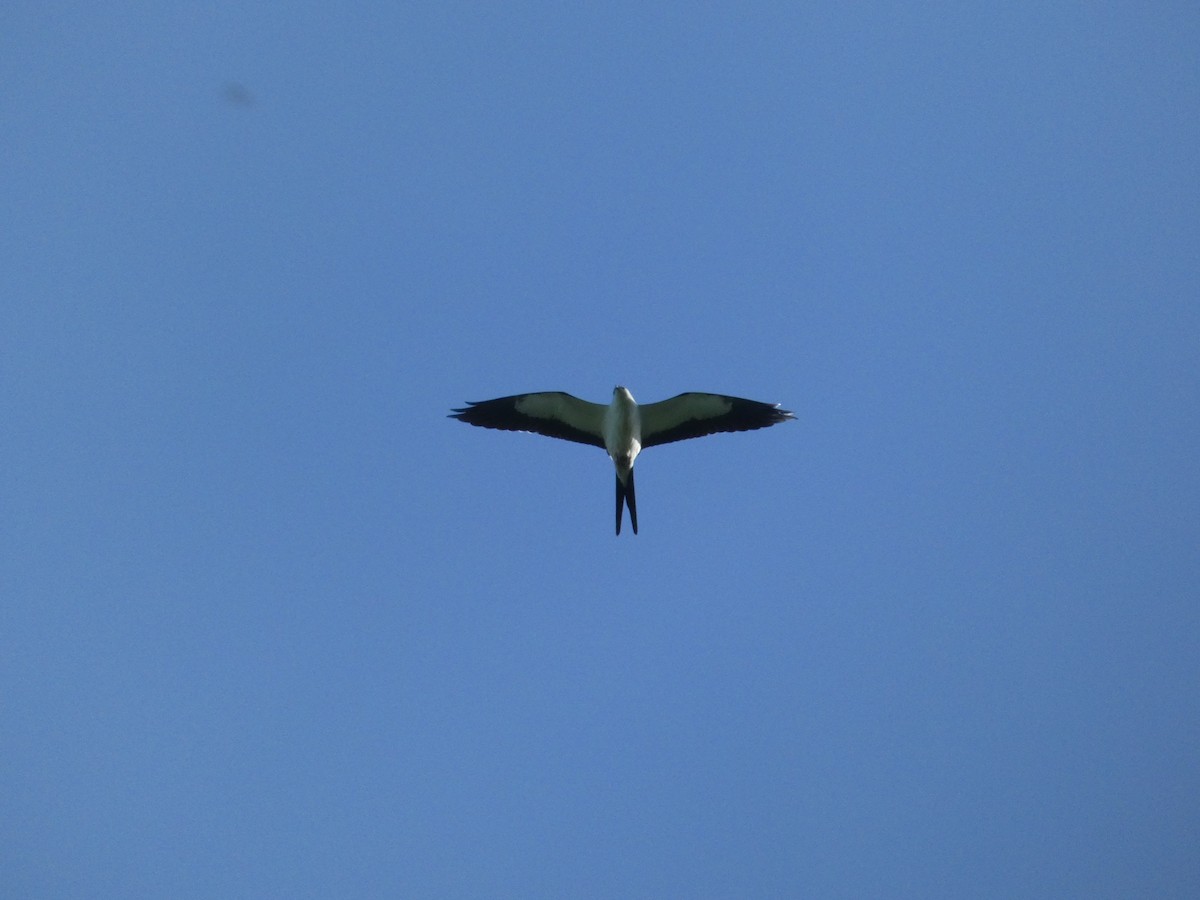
[(626, 496)]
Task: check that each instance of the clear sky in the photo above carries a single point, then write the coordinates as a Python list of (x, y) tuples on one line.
[(272, 625)]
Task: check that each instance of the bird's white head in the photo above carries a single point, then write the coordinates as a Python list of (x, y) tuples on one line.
[(623, 393)]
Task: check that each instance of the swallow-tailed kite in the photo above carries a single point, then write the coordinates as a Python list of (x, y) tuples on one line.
[(622, 428)]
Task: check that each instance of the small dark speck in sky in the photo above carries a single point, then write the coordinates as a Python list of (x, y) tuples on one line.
[(237, 94)]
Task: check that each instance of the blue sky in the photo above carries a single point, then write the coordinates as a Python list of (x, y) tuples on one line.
[(272, 625)]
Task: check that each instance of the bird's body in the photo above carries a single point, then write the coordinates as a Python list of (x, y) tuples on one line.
[(622, 428), (623, 441)]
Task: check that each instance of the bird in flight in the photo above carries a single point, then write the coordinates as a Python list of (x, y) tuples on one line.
[(622, 428)]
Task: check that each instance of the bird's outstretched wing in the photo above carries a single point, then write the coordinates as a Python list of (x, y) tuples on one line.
[(695, 414), (551, 413)]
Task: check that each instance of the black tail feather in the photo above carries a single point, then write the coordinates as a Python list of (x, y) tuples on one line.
[(625, 497), (631, 502), (620, 502)]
